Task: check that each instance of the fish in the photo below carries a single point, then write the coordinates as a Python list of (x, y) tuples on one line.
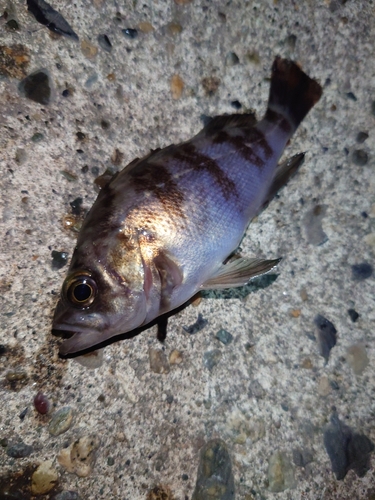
[(168, 224)]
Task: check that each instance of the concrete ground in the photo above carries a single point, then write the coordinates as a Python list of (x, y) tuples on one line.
[(267, 391)]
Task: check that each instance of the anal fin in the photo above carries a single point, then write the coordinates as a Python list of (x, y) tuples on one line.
[(238, 272)]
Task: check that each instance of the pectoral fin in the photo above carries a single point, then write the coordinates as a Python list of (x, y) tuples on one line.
[(238, 272), (170, 277)]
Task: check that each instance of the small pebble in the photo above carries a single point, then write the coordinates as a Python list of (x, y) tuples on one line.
[(236, 104), (360, 157), (210, 85), (256, 390), (212, 358), (357, 358), (19, 450), (145, 27), (14, 61), (37, 137), (174, 28), (76, 206), (280, 473), (61, 421), (177, 86), (361, 137), (16, 376), (351, 96), (160, 492), (362, 271), (41, 403), (23, 413), (105, 43), (373, 108), (175, 357), (110, 461), (80, 457), (291, 41), (313, 225), (353, 315), (231, 59), (215, 477), (327, 335), (224, 336), (68, 175), (88, 50), (36, 87), (158, 361), (59, 259), (44, 479), (130, 33)]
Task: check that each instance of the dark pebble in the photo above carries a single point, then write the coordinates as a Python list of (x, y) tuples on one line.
[(256, 390), (3, 442), (85, 169), (37, 137), (373, 108), (110, 461), (327, 335), (351, 96), (81, 136), (65, 93), (19, 450), (36, 87), (130, 33), (236, 104), (95, 171), (184, 477), (360, 157), (76, 206), (23, 413), (362, 271), (41, 403), (353, 315), (364, 214), (197, 326), (50, 18), (224, 336), (3, 349), (361, 137), (291, 41), (215, 477), (232, 59), (346, 449), (105, 126), (13, 25), (105, 43), (59, 259)]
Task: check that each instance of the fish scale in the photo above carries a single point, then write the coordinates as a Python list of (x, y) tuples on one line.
[(166, 226)]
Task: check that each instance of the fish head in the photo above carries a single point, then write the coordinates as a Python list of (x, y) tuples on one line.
[(103, 294)]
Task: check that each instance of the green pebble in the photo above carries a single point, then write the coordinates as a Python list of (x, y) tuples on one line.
[(61, 421)]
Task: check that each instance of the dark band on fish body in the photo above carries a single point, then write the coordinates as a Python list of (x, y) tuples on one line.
[(277, 118), (241, 143), (155, 178), (188, 153)]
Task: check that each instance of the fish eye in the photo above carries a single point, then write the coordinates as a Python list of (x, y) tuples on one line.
[(81, 290)]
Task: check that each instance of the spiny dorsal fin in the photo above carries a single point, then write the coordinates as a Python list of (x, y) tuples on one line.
[(238, 272)]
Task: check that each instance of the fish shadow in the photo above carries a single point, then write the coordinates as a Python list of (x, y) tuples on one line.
[(259, 283)]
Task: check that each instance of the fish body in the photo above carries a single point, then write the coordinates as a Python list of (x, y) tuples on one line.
[(164, 227)]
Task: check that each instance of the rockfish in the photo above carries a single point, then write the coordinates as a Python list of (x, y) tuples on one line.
[(167, 225)]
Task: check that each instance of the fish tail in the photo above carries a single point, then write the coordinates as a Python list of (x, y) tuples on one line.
[(292, 93)]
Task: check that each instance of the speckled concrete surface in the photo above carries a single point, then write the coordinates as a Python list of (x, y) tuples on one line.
[(270, 390)]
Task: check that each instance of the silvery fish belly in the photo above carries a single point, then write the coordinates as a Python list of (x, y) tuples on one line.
[(165, 226)]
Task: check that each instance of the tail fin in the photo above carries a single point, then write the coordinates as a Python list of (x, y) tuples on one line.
[(292, 92)]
